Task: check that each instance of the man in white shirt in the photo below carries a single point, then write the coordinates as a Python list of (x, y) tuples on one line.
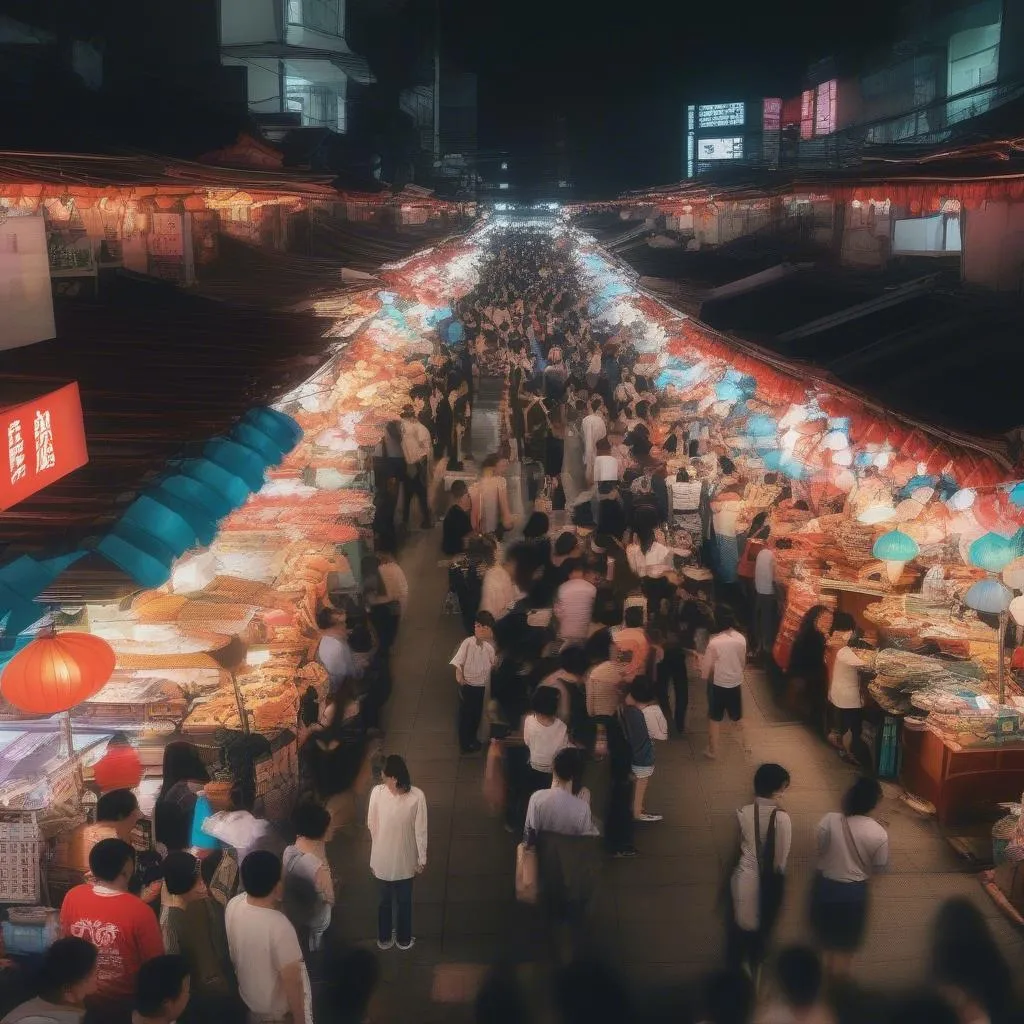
[(574, 604), (416, 445), (765, 602), (265, 950), (334, 652), (594, 428), (722, 668), (606, 465), (473, 662)]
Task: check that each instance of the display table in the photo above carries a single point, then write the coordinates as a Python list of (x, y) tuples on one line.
[(958, 780)]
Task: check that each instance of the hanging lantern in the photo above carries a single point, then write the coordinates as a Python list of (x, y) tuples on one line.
[(991, 552), (895, 548), (238, 459), (1017, 495), (161, 522), (231, 488), (54, 673), (989, 597), (281, 428), (119, 768), (254, 438), (186, 488)]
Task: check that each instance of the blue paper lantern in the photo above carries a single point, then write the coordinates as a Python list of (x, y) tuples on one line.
[(988, 596), (202, 524), (161, 522), (895, 546), (194, 492), (254, 438), (727, 391), (456, 333), (278, 426), (773, 460), (1017, 495), (236, 458), (230, 487), (144, 562), (992, 552)]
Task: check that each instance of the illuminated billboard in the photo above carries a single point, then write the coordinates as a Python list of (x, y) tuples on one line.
[(825, 109), (730, 148), (719, 115)]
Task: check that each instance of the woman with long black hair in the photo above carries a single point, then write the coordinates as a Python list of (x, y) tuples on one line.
[(184, 775), (807, 677), (397, 820), (852, 846)]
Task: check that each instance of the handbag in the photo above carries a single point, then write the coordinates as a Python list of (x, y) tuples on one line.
[(854, 848), (526, 874), (494, 778)]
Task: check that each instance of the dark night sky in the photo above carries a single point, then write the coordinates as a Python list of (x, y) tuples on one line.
[(623, 72)]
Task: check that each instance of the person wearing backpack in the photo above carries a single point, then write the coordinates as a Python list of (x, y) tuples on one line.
[(306, 871), (852, 846), (757, 882)]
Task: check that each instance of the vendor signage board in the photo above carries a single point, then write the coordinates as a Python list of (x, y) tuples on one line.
[(45, 440), (26, 296)]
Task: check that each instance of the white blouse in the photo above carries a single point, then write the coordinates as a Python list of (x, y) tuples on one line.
[(398, 833)]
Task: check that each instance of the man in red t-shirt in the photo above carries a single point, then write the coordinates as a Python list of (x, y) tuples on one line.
[(123, 929)]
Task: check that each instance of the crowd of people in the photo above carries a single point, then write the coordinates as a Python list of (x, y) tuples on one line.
[(586, 623)]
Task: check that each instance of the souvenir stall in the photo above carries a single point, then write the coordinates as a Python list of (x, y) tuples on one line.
[(234, 550), (915, 533)]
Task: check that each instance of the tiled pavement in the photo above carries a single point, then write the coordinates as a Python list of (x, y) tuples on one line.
[(656, 916)]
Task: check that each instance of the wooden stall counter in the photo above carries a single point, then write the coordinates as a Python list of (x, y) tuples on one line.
[(959, 782)]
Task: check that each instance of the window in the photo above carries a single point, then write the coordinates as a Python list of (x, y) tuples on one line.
[(973, 58), (316, 15), (806, 113), (503, 184), (825, 113), (321, 106)]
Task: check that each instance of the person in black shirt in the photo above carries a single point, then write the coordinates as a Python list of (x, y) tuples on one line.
[(457, 526)]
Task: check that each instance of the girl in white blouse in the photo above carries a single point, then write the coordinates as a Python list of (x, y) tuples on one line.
[(397, 820)]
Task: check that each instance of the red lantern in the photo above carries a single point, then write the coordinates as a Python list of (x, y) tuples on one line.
[(54, 673), (118, 768)]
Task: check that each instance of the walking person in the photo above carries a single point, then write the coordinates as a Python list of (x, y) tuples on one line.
[(852, 846), (473, 663), (397, 820), (722, 668), (807, 679), (766, 604), (757, 882), (634, 727), (416, 448)]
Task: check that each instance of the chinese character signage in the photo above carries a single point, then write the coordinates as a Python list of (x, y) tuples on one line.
[(772, 115), (45, 441), (26, 296), (720, 149), (719, 115)]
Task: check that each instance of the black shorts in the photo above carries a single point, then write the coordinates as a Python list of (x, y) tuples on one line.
[(725, 700)]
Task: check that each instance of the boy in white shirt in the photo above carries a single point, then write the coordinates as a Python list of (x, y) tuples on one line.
[(473, 663), (642, 694)]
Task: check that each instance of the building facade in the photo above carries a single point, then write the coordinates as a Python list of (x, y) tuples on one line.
[(298, 67)]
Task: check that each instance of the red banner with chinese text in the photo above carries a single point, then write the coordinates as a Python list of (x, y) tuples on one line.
[(45, 440)]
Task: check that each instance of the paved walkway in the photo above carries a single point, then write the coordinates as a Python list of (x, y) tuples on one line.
[(657, 915)]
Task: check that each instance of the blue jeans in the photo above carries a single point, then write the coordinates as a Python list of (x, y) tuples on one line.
[(399, 892)]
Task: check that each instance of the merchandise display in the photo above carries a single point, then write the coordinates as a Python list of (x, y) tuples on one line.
[(863, 511)]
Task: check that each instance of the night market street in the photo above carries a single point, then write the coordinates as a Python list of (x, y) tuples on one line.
[(658, 915)]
